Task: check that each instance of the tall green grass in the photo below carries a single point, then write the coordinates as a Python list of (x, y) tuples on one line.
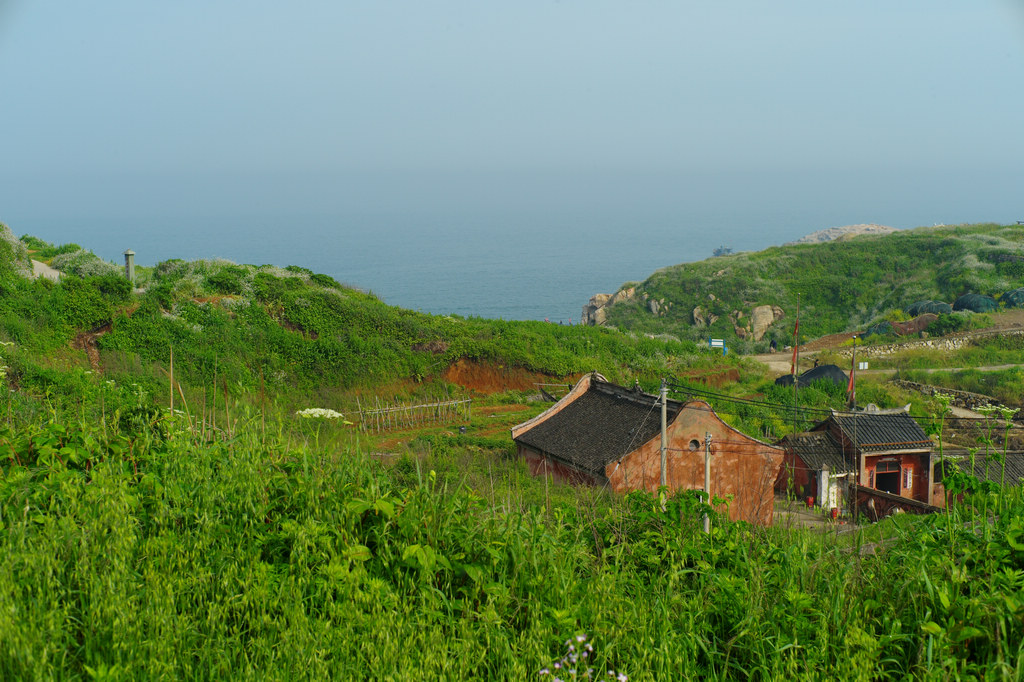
[(131, 548)]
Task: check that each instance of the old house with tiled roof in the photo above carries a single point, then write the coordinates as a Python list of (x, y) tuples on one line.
[(885, 450), (607, 435)]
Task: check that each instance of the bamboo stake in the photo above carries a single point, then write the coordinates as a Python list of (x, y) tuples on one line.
[(188, 414), (227, 407), (171, 375), (213, 396)]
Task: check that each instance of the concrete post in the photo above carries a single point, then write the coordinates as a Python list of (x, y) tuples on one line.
[(129, 266)]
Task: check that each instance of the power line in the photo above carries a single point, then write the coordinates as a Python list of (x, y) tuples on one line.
[(807, 411)]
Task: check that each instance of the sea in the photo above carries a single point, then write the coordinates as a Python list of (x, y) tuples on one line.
[(513, 246)]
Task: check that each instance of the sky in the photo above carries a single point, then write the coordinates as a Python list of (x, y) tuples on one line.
[(125, 108)]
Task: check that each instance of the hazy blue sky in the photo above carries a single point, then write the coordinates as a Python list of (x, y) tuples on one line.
[(903, 113), (249, 86)]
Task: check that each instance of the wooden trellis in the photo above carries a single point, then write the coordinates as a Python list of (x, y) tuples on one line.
[(384, 416)]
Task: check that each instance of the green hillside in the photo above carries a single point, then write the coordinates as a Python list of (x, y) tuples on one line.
[(841, 285), (237, 540), (287, 332)]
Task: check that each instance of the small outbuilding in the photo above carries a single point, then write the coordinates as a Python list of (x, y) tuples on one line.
[(814, 468), (885, 450), (603, 434)]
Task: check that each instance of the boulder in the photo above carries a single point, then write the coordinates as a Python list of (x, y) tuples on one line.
[(762, 317), (589, 315), (653, 306), (595, 313), (622, 295), (699, 320)]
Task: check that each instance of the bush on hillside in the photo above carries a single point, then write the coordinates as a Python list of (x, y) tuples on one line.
[(14, 257), (947, 324), (44, 250), (83, 263)]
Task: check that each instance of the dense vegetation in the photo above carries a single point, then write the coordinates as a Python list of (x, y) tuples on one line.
[(133, 548), (237, 541), (841, 285), (285, 331)]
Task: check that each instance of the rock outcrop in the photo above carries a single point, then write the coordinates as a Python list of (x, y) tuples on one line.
[(835, 233), (595, 312), (753, 325), (762, 317)]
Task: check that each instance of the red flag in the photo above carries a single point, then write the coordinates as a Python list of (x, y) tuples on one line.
[(850, 385), (796, 346)]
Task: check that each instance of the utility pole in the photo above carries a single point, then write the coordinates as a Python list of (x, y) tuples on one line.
[(796, 364), (664, 430), (707, 479)]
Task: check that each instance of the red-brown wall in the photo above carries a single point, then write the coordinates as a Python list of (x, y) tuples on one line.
[(916, 462), (741, 467), (795, 478)]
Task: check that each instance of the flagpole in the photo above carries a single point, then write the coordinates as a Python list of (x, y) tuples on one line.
[(852, 388)]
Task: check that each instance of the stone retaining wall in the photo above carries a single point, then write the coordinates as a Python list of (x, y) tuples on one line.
[(946, 343)]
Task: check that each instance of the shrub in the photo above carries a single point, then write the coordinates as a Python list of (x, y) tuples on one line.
[(325, 281), (83, 264), (947, 323), (228, 280)]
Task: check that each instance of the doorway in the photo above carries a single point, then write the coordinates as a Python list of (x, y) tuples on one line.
[(887, 477)]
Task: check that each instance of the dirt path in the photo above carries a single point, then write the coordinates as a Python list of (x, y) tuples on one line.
[(40, 269)]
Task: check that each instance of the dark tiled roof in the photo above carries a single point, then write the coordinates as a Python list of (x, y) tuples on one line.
[(818, 449), (601, 426), (992, 470), (871, 431)]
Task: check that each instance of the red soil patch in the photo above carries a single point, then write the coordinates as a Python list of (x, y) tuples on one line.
[(715, 378), (86, 341), (487, 378), (826, 342)]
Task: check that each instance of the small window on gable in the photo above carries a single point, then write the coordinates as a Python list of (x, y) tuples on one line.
[(694, 445)]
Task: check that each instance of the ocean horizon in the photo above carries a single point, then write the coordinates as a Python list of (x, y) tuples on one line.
[(520, 249)]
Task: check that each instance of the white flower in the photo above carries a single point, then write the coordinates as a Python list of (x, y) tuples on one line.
[(319, 413)]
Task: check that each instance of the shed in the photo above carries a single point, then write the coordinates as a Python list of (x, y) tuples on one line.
[(888, 451), (814, 467)]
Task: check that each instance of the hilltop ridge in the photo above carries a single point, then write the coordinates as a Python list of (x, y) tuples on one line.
[(845, 232), (856, 277)]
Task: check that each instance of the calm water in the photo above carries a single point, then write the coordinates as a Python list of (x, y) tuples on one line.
[(512, 247)]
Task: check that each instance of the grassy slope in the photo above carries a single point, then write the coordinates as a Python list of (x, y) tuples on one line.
[(130, 549), (841, 285), (290, 330)]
